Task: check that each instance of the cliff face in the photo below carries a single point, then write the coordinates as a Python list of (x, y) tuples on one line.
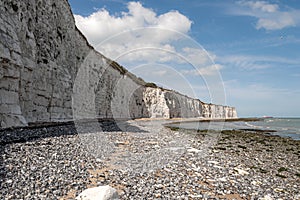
[(48, 72)]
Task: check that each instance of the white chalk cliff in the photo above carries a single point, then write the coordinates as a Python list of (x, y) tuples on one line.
[(49, 73)]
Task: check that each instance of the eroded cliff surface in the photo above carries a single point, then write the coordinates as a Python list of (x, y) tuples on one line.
[(49, 72)]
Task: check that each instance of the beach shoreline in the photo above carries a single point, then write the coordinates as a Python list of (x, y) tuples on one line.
[(142, 159), (283, 127)]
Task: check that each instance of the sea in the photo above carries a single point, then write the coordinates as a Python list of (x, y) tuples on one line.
[(284, 127)]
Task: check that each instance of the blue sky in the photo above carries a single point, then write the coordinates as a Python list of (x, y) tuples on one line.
[(239, 53)]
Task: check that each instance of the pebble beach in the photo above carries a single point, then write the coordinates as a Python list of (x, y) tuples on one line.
[(142, 159)]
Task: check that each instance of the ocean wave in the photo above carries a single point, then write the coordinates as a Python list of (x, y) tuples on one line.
[(253, 126)]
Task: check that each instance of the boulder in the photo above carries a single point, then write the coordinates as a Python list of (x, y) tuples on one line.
[(99, 193)]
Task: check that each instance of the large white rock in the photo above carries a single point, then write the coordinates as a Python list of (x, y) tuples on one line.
[(99, 193)]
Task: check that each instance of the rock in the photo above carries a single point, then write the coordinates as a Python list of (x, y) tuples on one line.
[(266, 197), (278, 190), (217, 166), (99, 193), (213, 162), (223, 179), (256, 183), (157, 195), (241, 171), (193, 150), (196, 196)]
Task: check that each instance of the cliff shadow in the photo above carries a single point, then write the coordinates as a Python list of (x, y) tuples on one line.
[(2, 166), (45, 130)]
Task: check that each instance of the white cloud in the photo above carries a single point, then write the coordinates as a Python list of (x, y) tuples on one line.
[(270, 16), (260, 5), (246, 62), (137, 35), (100, 25), (199, 57), (284, 19), (142, 36), (254, 62), (210, 70)]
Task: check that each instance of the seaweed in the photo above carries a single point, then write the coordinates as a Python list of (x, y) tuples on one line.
[(173, 128), (242, 147), (282, 169), (281, 176)]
